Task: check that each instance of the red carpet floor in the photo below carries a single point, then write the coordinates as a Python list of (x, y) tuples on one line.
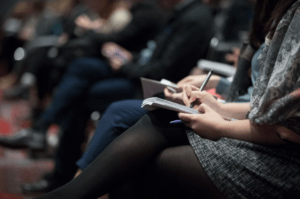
[(20, 166), (16, 166)]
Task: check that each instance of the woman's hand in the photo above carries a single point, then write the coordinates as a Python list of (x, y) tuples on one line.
[(192, 94), (206, 124), (197, 80), (174, 97)]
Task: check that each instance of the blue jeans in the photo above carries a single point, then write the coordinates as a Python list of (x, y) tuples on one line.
[(88, 85), (90, 81), (118, 117)]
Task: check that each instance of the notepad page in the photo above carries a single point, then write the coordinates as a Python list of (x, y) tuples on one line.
[(155, 102)]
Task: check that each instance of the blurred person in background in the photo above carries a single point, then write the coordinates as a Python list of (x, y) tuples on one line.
[(255, 156), (146, 22), (18, 28), (182, 42), (79, 26)]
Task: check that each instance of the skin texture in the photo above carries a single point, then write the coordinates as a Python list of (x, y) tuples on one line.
[(210, 123)]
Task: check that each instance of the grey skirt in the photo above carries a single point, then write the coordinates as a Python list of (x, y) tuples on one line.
[(245, 170)]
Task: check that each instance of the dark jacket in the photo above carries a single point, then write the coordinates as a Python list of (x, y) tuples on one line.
[(147, 21), (178, 47), (237, 18)]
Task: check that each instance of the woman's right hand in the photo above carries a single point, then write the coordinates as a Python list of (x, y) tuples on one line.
[(192, 94)]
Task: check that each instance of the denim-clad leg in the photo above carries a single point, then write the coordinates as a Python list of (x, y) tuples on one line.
[(81, 74), (118, 117), (99, 96), (71, 139)]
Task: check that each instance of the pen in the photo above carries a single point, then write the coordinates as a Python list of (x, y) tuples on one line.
[(203, 85), (201, 89), (176, 122)]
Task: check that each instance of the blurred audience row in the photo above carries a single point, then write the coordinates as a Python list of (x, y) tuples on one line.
[(70, 58)]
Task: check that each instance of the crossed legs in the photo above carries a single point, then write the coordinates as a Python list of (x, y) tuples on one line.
[(152, 145)]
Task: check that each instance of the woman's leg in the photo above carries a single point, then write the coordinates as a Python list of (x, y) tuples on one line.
[(129, 155), (178, 174)]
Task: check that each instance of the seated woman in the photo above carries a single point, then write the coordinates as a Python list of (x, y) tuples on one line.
[(121, 115), (211, 157)]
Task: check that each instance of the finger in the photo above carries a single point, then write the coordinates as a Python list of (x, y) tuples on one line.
[(203, 108), (167, 92), (186, 117), (194, 88), (186, 95), (194, 96), (200, 95)]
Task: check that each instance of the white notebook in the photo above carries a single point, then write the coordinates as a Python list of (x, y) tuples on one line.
[(155, 102)]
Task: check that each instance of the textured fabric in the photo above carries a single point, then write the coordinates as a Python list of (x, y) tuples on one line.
[(255, 65), (276, 95), (245, 170)]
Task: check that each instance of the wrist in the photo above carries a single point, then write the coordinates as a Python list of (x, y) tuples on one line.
[(219, 108), (214, 81), (222, 128)]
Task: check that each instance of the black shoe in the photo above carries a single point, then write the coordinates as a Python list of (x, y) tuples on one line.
[(25, 138), (47, 184), (17, 92)]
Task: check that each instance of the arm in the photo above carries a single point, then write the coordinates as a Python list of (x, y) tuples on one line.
[(234, 110), (179, 51), (209, 124), (247, 131)]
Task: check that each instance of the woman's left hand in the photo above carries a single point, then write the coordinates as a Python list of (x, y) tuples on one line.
[(207, 123)]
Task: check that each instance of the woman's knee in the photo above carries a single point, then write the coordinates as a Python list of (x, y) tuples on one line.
[(171, 160), (179, 168)]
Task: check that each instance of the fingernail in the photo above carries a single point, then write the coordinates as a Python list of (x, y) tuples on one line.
[(194, 99)]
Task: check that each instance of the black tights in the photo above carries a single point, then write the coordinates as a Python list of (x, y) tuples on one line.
[(154, 145)]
